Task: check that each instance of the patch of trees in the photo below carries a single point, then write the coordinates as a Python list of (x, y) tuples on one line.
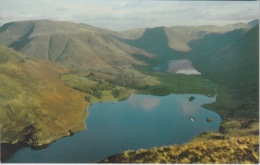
[(131, 82), (120, 93), (160, 90), (103, 85), (96, 90), (88, 98), (97, 93), (128, 80)]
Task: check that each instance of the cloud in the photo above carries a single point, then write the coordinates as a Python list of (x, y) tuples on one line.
[(123, 15)]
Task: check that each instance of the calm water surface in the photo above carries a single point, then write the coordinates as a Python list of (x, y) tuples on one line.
[(141, 121)]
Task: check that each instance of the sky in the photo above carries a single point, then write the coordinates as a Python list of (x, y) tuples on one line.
[(123, 15)]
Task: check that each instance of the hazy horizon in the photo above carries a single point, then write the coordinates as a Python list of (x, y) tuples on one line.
[(123, 15)]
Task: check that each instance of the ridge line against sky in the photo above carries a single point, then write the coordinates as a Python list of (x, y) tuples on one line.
[(124, 15)]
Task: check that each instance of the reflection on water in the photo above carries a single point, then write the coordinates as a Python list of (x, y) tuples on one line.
[(146, 103), (7, 150), (182, 67), (191, 108), (141, 121)]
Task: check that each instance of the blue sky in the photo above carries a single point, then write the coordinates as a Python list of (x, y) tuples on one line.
[(123, 15)]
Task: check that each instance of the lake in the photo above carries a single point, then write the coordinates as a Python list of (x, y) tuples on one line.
[(141, 121)]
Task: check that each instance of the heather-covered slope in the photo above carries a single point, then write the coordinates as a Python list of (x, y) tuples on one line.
[(35, 106), (242, 150)]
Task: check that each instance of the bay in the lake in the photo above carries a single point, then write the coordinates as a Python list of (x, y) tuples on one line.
[(141, 121)]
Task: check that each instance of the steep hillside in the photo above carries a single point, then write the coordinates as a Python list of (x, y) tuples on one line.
[(76, 45), (153, 40), (232, 60), (35, 106)]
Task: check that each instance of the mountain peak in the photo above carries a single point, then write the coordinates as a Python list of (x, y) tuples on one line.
[(153, 40)]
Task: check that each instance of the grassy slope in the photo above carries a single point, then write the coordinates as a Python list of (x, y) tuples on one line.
[(36, 107)]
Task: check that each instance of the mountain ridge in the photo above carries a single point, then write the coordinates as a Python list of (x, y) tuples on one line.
[(76, 45)]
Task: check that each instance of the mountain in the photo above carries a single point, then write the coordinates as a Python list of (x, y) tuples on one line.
[(78, 46), (35, 105)]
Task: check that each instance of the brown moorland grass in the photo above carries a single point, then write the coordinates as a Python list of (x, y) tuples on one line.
[(36, 107)]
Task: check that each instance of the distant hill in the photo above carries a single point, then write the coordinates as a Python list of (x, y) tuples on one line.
[(180, 36), (35, 105), (173, 41), (75, 45)]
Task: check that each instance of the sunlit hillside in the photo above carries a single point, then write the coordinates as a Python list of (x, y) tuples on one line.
[(35, 105)]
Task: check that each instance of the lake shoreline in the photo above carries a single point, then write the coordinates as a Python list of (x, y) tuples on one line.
[(146, 111), (247, 136)]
